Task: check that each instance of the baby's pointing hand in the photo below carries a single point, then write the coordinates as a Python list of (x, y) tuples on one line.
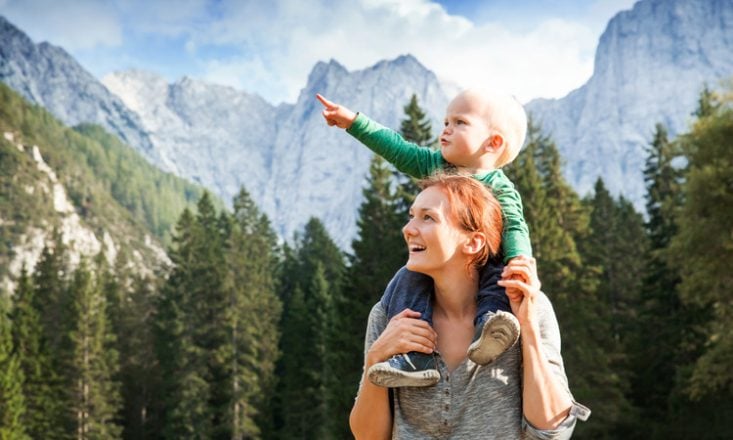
[(335, 114)]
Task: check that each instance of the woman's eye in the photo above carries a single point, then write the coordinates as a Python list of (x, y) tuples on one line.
[(427, 217)]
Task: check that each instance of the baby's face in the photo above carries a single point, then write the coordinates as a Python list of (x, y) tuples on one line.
[(465, 130)]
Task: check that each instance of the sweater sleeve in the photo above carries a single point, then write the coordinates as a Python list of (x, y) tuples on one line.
[(515, 236), (407, 157)]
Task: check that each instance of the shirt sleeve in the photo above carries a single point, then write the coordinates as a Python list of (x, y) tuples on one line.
[(407, 157), (550, 334), (515, 236)]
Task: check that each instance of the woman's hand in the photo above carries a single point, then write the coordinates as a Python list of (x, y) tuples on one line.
[(522, 286), (336, 114), (404, 333)]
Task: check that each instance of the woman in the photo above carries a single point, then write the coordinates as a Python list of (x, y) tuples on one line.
[(470, 401)]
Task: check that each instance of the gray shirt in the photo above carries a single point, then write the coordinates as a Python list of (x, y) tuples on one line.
[(474, 401)]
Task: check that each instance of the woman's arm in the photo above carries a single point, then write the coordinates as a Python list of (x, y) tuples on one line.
[(370, 417), (545, 399)]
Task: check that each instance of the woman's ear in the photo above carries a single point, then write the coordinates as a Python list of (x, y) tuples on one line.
[(475, 242)]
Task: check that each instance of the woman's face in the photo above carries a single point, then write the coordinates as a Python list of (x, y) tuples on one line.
[(434, 241)]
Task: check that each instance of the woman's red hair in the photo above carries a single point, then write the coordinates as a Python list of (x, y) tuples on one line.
[(474, 209)]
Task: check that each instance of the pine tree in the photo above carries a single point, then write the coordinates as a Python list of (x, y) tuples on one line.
[(54, 304), (51, 298), (29, 348), (256, 309), (416, 126), (183, 389), (130, 304), (417, 129), (311, 302), (96, 396), (378, 252), (660, 310), (616, 245), (12, 401), (702, 249)]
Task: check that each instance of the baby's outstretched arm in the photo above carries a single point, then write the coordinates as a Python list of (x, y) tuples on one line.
[(336, 114)]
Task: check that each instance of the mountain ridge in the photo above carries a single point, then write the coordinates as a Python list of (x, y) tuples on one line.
[(651, 63)]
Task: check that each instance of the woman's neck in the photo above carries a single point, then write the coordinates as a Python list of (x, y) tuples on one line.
[(455, 293)]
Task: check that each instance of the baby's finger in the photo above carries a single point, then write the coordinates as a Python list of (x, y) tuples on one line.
[(326, 103), (521, 285), (516, 272)]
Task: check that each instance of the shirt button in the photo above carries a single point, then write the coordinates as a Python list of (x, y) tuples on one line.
[(445, 422), (446, 407)]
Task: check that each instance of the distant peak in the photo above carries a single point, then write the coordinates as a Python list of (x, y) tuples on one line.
[(323, 69), (403, 61), (407, 59), (10, 32)]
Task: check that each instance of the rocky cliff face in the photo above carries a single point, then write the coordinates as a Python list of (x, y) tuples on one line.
[(48, 76), (294, 165), (650, 66)]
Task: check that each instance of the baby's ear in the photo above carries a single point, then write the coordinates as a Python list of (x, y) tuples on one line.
[(494, 143)]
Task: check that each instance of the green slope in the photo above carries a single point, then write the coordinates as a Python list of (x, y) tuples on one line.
[(111, 186)]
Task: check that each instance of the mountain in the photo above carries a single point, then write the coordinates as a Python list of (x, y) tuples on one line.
[(292, 163), (97, 192), (48, 76), (650, 66)]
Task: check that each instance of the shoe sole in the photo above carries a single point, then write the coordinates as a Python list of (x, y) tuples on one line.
[(388, 377), (498, 334)]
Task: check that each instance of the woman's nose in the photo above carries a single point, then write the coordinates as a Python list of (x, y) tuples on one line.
[(408, 229)]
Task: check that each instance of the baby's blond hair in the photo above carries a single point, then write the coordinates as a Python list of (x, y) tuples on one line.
[(505, 115)]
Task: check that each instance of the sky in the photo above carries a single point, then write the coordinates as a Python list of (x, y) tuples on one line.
[(531, 48)]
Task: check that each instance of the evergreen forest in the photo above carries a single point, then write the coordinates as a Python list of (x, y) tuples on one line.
[(244, 336)]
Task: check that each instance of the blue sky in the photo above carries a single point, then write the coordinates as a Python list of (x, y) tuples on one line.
[(532, 48)]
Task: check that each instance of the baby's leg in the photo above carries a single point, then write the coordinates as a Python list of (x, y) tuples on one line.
[(407, 290), (491, 296), (497, 329)]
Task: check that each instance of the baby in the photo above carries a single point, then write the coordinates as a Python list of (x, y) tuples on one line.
[(482, 132)]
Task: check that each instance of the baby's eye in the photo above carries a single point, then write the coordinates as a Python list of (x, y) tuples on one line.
[(445, 123), (460, 122)]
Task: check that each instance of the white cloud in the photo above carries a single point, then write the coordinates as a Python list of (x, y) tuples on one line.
[(283, 42), (169, 18), (74, 25), (270, 49)]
